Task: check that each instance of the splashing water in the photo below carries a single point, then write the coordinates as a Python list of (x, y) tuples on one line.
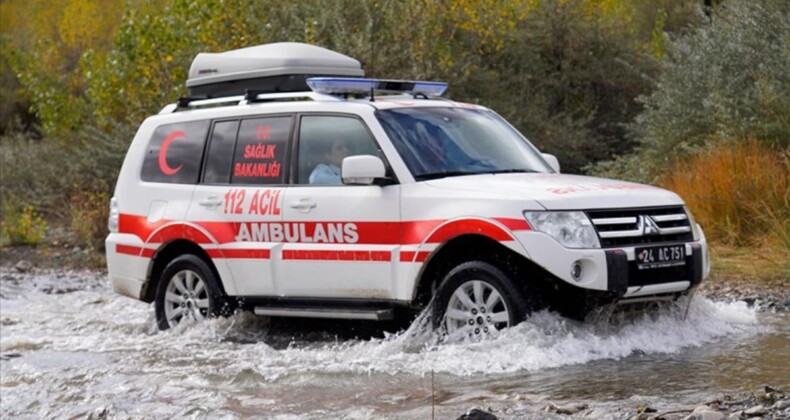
[(71, 346)]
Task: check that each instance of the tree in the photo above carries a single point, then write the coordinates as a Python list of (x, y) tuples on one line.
[(728, 80)]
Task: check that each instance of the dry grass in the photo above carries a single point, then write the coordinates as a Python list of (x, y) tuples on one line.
[(750, 263), (740, 195)]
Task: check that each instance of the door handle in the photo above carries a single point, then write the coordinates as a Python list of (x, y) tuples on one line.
[(211, 202), (304, 205)]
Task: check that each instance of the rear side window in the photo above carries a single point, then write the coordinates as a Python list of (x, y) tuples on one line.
[(261, 151), (219, 160), (174, 153)]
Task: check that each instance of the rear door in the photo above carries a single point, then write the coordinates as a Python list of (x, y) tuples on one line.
[(239, 200), (339, 239)]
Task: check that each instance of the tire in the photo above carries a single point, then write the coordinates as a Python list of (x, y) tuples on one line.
[(187, 289), (477, 299)]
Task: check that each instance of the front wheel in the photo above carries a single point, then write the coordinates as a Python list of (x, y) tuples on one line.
[(187, 290), (476, 299)]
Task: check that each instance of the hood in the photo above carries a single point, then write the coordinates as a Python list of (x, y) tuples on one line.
[(563, 192)]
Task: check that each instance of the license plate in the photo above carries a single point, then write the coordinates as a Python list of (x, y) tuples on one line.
[(660, 256)]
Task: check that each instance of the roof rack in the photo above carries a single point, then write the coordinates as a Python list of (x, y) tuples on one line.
[(250, 96)]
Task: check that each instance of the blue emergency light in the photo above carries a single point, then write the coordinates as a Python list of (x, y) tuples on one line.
[(351, 85)]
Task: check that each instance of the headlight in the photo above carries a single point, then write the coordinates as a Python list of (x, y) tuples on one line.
[(693, 223), (572, 229)]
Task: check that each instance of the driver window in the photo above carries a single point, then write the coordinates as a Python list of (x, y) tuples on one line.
[(323, 143)]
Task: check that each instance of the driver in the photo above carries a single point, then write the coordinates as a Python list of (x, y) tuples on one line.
[(329, 172)]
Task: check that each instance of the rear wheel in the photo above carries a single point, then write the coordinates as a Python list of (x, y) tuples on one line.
[(187, 290), (476, 299)]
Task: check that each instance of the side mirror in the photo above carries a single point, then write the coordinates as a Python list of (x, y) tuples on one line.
[(362, 170), (552, 161)]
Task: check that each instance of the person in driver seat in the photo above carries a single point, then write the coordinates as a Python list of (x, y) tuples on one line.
[(329, 172)]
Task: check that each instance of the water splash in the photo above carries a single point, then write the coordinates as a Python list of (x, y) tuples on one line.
[(71, 334)]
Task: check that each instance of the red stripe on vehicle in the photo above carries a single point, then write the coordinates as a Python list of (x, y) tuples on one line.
[(411, 256), (128, 250), (179, 231), (260, 254), (138, 225), (469, 226), (323, 255), (514, 224), (415, 231), (374, 233)]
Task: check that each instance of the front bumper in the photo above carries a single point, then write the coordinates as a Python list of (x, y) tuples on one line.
[(626, 282), (612, 273)]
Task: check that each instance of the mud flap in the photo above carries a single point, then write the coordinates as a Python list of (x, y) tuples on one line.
[(617, 272)]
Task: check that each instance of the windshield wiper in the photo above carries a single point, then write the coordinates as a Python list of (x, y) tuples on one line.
[(511, 171), (445, 174)]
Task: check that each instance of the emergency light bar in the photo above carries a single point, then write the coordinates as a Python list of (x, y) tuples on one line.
[(350, 85)]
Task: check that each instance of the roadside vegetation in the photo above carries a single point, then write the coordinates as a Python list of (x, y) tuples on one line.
[(692, 95)]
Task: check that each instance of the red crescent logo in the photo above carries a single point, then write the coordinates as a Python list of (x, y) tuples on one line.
[(163, 166)]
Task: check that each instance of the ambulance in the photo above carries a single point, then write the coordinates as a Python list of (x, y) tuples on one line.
[(289, 185)]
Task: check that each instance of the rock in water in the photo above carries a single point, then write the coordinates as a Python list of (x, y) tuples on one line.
[(757, 410), (23, 266), (565, 409), (477, 414)]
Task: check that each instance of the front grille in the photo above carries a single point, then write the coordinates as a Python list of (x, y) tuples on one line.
[(632, 227)]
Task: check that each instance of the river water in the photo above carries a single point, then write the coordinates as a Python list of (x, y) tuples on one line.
[(69, 346)]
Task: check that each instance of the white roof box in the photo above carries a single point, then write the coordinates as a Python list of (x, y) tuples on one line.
[(278, 67)]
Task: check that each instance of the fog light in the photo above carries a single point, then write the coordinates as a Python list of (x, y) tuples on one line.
[(576, 271)]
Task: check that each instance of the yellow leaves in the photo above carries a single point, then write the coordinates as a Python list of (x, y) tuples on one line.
[(45, 42), (491, 20), (80, 24), (21, 224)]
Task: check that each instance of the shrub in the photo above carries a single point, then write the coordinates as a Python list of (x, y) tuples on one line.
[(739, 192), (727, 80), (21, 224), (33, 172), (43, 172), (89, 213)]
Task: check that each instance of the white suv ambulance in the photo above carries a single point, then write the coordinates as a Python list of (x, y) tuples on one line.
[(294, 187)]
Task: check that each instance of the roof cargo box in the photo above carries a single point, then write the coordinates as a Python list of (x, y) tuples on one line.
[(278, 67)]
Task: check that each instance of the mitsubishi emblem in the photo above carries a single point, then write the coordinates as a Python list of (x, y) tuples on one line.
[(648, 226)]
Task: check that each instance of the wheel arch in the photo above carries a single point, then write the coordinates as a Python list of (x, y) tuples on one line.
[(470, 247), (167, 253)]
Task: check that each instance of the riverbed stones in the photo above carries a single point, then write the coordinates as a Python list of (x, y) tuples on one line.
[(781, 405), (565, 409), (705, 412), (757, 410)]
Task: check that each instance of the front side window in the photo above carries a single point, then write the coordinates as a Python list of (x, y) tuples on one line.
[(174, 153), (441, 142), (324, 141), (260, 153)]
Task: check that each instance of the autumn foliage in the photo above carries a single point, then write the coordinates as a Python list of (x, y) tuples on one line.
[(739, 192), (623, 88)]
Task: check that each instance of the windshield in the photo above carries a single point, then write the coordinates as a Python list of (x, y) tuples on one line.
[(441, 142)]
